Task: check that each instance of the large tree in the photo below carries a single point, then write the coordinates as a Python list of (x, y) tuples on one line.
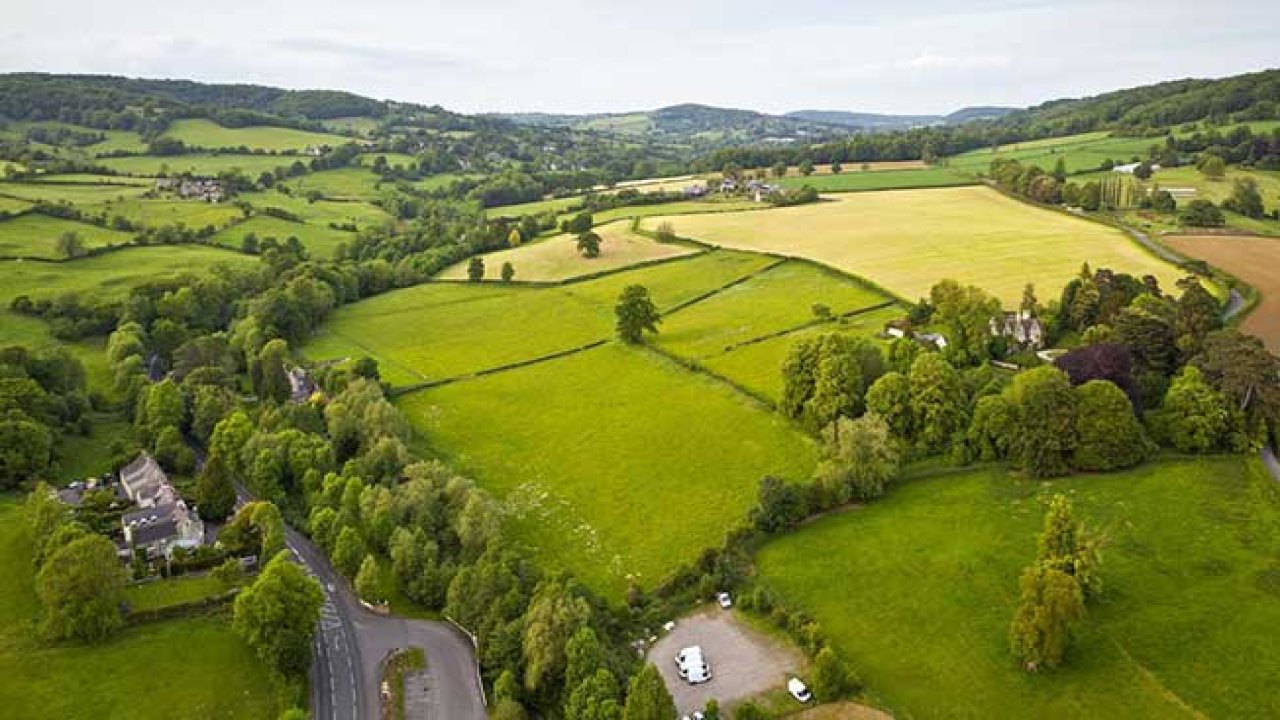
[(860, 458), (1244, 371), (647, 697), (636, 314), (277, 615), (80, 588), (1195, 417), (938, 403), (554, 613), (965, 313), (588, 244), (1050, 603), (1045, 407), (1109, 436)]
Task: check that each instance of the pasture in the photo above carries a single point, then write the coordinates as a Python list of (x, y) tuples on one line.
[(1253, 260), (194, 214), (198, 164), (320, 241), (443, 180), (321, 212), (74, 194), (879, 180), (441, 330), (536, 207), (918, 589), (907, 240), (208, 671), (680, 207), (197, 133), (36, 236), (614, 463), (1079, 153), (349, 182), (557, 257)]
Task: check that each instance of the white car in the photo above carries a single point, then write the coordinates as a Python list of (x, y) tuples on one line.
[(725, 600), (697, 715), (798, 690), (696, 674), (689, 655)]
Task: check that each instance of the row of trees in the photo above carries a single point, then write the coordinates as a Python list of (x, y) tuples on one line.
[(42, 395)]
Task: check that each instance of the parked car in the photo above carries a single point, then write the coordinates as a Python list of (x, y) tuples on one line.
[(798, 690), (688, 667), (697, 715), (725, 600), (689, 654), (697, 674)]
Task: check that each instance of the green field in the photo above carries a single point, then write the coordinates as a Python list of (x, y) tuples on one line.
[(91, 179), (198, 164), (194, 214), (435, 182), (74, 194), (1079, 153), (208, 134), (680, 207), (918, 590), (557, 257), (758, 366), (442, 330), (393, 159), (349, 182), (85, 456), (880, 180), (321, 212), (591, 455), (189, 668), (778, 299), (35, 235), (160, 594), (360, 125), (907, 240), (319, 240)]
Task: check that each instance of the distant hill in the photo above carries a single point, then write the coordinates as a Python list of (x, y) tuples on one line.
[(880, 122)]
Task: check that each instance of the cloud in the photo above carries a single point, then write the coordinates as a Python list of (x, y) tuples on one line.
[(929, 61)]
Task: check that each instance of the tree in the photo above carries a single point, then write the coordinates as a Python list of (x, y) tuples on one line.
[(554, 613), (80, 587), (965, 312), (580, 223), (1064, 544), (368, 583), (1109, 436), (647, 697), (1245, 198), (514, 238), (1050, 603), (69, 245), (1243, 370), (1213, 167), (589, 244), (1201, 213), (1195, 417), (860, 458), (215, 494), (938, 403), (26, 447), (508, 271), (636, 314), (830, 676), (271, 382), (779, 505), (806, 167), (836, 167), (171, 451), (475, 269), (348, 552), (890, 398), (779, 169), (595, 698), (1060, 171), (1044, 406), (229, 574), (277, 615)]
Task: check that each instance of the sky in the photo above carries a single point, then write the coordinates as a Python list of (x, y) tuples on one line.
[(904, 56)]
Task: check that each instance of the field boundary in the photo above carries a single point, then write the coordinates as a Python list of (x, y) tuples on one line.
[(407, 389), (716, 291), (803, 326), (694, 366), (567, 281)]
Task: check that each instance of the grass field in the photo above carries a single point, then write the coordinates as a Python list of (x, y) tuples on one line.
[(918, 590), (554, 205), (1080, 153), (393, 159), (591, 455), (907, 240), (13, 205), (361, 125), (198, 164), (879, 180), (557, 257), (92, 179), (778, 299), (74, 194), (105, 277), (680, 207), (442, 330), (193, 214), (319, 240), (181, 590), (34, 235), (207, 134), (349, 182), (190, 668), (435, 182), (320, 212), (758, 366), (1253, 260), (84, 456)]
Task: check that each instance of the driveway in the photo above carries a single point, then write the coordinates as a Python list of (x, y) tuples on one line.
[(744, 661)]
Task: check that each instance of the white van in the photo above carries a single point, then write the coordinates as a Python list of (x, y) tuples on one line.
[(798, 690), (689, 655)]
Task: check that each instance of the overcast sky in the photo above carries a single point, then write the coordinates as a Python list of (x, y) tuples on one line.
[(903, 56)]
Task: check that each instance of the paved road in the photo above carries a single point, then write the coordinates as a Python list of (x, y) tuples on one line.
[(351, 641)]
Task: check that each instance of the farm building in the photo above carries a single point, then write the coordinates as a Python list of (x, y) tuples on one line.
[(161, 528)]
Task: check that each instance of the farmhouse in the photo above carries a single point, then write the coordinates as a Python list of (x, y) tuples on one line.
[(1020, 327), (161, 528), (145, 483)]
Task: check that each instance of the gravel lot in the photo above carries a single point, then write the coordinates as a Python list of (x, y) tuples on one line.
[(744, 662)]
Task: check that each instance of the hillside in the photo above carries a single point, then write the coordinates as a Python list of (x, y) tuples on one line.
[(880, 122)]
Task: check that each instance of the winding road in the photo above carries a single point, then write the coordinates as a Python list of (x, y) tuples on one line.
[(351, 641)]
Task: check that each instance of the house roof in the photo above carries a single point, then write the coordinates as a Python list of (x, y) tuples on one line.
[(152, 524), (143, 477)]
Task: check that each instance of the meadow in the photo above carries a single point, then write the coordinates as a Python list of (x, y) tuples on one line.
[(74, 194), (918, 590), (536, 207), (319, 240), (879, 180), (320, 212), (1253, 260), (36, 236), (198, 133), (186, 667), (557, 257), (592, 454), (349, 182), (198, 164), (181, 590), (907, 240), (1079, 153), (194, 214), (442, 330)]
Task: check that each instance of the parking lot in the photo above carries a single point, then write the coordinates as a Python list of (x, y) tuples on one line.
[(744, 662)]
